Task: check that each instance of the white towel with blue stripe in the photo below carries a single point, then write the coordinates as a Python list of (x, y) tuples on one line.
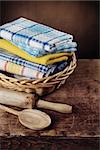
[(35, 38)]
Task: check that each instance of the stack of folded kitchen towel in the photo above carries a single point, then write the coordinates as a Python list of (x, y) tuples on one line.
[(32, 50)]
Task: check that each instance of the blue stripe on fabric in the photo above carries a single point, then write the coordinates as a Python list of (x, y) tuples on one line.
[(44, 43), (21, 30), (2, 29)]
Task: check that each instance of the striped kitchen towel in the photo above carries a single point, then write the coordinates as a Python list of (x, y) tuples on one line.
[(35, 38), (57, 68), (17, 66), (19, 70)]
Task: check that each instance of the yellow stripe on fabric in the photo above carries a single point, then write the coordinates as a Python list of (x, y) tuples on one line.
[(45, 60), (14, 68)]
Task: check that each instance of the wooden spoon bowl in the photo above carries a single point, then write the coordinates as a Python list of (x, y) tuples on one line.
[(34, 119)]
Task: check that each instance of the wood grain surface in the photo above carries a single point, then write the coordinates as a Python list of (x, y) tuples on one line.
[(48, 143), (82, 92)]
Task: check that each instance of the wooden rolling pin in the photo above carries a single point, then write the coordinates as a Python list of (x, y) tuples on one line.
[(25, 100)]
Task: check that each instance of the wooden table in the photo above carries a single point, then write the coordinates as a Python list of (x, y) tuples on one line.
[(81, 90)]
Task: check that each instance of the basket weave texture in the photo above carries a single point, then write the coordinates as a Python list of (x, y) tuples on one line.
[(39, 86)]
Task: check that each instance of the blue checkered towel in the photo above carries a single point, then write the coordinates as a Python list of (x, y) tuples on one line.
[(35, 38)]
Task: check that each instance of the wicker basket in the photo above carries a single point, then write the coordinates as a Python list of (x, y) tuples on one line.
[(39, 86)]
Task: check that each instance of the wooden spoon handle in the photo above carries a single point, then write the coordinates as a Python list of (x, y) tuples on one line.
[(62, 108), (10, 110)]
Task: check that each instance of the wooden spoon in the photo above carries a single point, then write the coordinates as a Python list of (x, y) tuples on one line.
[(30, 118)]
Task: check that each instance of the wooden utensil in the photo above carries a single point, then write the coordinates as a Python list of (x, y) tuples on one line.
[(30, 118), (25, 100)]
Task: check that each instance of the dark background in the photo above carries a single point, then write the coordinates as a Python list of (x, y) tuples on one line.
[(80, 18)]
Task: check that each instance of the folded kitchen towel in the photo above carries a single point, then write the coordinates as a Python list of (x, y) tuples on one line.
[(23, 71), (28, 35), (19, 70), (44, 60), (19, 61)]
